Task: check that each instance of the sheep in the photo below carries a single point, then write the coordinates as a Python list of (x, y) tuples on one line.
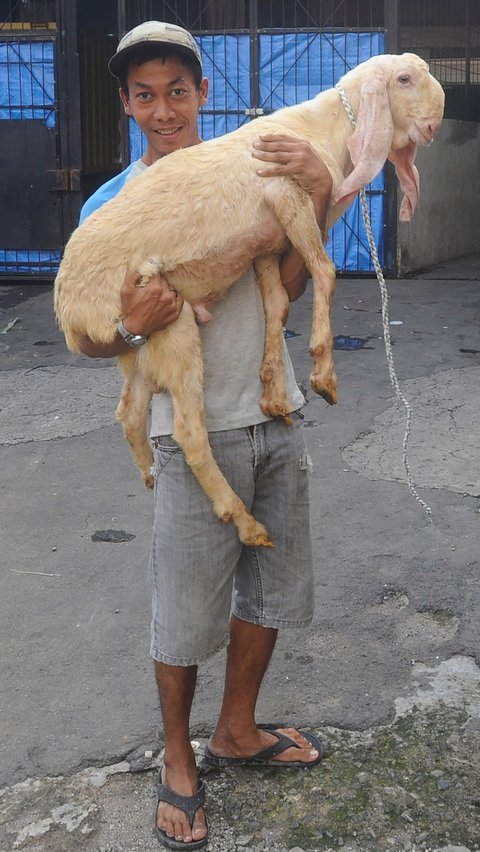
[(202, 215)]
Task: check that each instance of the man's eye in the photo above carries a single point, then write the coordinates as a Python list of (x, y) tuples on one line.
[(178, 92)]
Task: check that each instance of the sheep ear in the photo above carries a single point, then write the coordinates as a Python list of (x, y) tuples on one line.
[(409, 179), (370, 144)]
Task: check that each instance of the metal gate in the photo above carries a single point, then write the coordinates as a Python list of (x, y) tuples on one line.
[(258, 56), (30, 229), (39, 155), (285, 68)]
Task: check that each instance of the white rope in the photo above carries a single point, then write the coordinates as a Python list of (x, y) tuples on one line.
[(386, 324)]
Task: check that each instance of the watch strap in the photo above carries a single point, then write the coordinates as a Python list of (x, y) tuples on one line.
[(133, 340)]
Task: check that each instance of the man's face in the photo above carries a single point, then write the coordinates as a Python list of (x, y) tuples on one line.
[(164, 102)]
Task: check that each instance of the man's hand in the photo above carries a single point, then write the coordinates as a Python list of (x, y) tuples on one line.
[(150, 307), (289, 155), (145, 309)]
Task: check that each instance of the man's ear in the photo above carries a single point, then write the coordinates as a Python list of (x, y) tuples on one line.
[(204, 85), (125, 102)]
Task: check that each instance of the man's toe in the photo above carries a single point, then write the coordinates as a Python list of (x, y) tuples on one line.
[(199, 830)]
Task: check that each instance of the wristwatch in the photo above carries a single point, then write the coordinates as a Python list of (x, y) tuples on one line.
[(133, 340)]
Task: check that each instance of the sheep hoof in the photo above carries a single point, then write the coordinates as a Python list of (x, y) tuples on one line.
[(254, 535), (274, 409), (326, 389), (149, 480), (329, 396), (262, 539), (250, 532)]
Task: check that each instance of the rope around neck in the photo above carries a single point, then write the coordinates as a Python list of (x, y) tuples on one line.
[(386, 324)]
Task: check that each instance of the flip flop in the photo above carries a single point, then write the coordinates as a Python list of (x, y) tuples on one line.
[(188, 804), (264, 757)]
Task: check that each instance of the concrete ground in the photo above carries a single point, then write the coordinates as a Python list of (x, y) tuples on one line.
[(387, 674)]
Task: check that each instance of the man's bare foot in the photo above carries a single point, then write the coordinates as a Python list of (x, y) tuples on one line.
[(251, 746), (173, 821)]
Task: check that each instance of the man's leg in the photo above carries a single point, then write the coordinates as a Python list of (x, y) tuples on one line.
[(192, 564), (277, 581), (236, 733), (176, 687)]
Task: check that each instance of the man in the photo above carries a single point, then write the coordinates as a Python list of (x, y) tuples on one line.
[(195, 559)]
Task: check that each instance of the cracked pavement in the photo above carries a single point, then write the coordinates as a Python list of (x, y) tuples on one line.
[(388, 671)]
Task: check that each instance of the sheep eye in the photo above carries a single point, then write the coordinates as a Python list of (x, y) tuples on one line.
[(404, 78)]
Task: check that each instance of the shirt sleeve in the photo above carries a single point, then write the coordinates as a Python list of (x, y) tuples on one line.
[(104, 193)]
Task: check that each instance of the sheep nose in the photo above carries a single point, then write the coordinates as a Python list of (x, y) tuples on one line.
[(433, 125)]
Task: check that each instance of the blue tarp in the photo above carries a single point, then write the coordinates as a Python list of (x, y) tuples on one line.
[(37, 262), (293, 67), (27, 81)]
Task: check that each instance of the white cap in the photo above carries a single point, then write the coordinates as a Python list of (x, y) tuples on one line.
[(151, 32)]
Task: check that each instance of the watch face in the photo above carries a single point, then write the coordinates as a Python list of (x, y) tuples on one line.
[(136, 340)]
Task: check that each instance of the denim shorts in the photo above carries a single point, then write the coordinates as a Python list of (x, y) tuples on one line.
[(201, 572)]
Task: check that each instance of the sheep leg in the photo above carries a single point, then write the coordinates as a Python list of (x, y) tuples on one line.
[(274, 402), (172, 360), (132, 411), (323, 378), (295, 212)]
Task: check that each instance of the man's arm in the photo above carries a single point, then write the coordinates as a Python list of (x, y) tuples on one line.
[(288, 155), (144, 310)]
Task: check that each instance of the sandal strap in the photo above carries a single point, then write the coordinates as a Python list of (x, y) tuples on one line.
[(283, 742), (188, 804)]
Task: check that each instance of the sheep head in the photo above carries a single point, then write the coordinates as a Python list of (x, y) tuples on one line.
[(398, 105)]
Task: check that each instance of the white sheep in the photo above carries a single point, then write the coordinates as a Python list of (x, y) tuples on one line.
[(202, 215)]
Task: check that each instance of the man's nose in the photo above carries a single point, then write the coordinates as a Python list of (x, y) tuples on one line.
[(163, 109)]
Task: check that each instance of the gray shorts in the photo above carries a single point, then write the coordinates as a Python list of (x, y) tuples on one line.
[(201, 572)]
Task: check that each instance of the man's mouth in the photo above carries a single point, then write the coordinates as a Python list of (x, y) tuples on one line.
[(168, 131)]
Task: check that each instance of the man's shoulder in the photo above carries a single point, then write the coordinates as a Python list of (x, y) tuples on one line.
[(104, 193)]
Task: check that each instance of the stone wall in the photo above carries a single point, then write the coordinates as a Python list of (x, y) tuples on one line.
[(446, 223)]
